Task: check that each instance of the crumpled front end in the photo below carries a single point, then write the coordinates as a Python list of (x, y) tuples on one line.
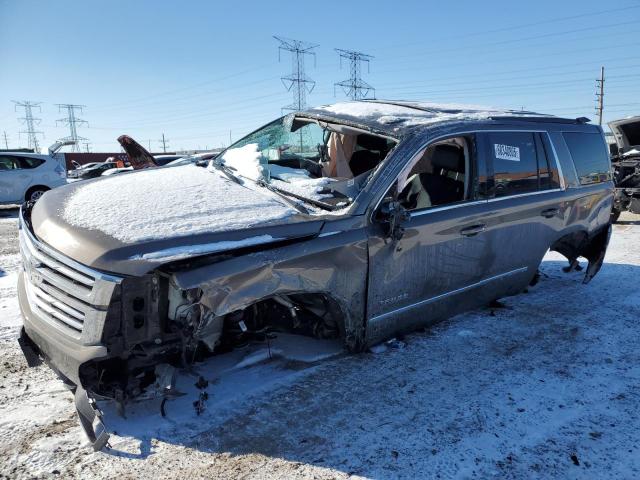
[(64, 307)]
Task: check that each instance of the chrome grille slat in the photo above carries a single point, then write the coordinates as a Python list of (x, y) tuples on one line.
[(77, 314), (52, 312), (64, 297)]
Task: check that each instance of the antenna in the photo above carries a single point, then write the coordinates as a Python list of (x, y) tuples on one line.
[(354, 87), (30, 122), (72, 121), (297, 82)]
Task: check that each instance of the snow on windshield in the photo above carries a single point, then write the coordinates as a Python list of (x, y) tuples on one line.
[(246, 161), (249, 163), (169, 202)]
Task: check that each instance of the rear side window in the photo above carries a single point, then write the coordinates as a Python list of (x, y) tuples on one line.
[(589, 155), (515, 162), (8, 163), (28, 162)]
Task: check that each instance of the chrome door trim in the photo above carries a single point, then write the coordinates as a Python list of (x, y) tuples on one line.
[(378, 318)]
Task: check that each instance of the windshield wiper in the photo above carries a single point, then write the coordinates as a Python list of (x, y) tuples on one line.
[(281, 193), (228, 171), (315, 203)]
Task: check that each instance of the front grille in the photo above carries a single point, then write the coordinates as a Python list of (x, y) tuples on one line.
[(67, 295)]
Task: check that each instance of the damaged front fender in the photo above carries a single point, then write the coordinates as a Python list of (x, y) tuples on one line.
[(334, 265)]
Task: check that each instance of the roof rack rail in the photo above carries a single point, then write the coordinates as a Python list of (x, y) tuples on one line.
[(539, 119)]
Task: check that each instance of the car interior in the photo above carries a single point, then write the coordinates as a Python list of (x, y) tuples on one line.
[(437, 177)]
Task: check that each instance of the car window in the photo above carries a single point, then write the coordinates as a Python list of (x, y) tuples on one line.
[(30, 162), (8, 163), (547, 165), (438, 175), (515, 162), (589, 155)]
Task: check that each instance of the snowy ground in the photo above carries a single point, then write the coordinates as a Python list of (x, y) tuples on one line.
[(547, 387)]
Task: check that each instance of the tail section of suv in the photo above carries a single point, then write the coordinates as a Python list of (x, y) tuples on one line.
[(356, 221)]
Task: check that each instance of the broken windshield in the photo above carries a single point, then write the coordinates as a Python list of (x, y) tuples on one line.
[(323, 165)]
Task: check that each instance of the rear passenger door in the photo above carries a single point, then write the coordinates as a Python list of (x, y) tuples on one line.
[(525, 196)]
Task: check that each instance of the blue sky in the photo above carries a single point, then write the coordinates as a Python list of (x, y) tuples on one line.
[(198, 70)]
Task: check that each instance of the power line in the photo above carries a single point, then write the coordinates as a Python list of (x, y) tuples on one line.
[(164, 143), (297, 82), (600, 95), (354, 87), (72, 121), (30, 122)]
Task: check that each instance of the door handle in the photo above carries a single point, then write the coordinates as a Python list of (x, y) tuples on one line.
[(550, 212), (473, 230)]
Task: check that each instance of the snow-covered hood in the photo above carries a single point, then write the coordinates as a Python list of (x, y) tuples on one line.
[(129, 224), (627, 133)]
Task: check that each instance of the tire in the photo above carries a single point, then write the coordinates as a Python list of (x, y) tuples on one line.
[(33, 194)]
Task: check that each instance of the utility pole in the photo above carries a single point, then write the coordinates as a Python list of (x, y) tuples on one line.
[(297, 82), (354, 87), (72, 121), (86, 147), (30, 122), (164, 143), (600, 95), (6, 142)]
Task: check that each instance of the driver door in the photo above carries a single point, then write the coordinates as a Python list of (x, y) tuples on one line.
[(442, 259)]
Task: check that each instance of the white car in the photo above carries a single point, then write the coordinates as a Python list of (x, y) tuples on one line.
[(26, 176)]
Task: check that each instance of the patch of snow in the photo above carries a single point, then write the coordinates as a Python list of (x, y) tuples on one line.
[(246, 161), (168, 202), (178, 253), (434, 112)]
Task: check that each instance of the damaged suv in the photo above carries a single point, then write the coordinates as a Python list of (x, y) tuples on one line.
[(354, 221)]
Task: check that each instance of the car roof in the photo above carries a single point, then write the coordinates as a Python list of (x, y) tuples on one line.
[(25, 154), (396, 116)]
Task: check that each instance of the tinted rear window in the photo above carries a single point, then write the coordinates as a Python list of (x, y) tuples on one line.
[(590, 156), (28, 162)]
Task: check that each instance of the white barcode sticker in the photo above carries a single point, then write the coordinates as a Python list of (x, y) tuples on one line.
[(507, 152)]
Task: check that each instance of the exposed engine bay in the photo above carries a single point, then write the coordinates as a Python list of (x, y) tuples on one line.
[(154, 323), (625, 161)]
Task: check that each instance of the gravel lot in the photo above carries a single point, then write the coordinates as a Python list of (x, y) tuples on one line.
[(548, 387)]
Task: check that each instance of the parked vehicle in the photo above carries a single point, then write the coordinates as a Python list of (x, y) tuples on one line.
[(27, 176), (625, 160), (92, 170), (356, 221)]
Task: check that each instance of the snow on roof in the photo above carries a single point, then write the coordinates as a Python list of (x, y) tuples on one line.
[(169, 202), (406, 114)]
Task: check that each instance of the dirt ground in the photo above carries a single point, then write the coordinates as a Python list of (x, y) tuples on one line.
[(547, 387)]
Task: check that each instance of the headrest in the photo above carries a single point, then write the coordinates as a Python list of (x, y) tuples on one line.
[(448, 157), (371, 142)]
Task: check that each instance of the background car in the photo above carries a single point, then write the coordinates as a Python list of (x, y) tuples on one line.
[(93, 170), (26, 176)]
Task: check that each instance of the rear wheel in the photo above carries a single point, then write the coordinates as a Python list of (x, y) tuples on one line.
[(34, 193)]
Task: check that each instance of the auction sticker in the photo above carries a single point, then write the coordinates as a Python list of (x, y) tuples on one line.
[(507, 152)]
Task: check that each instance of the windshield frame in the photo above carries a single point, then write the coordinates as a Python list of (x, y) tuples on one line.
[(328, 121)]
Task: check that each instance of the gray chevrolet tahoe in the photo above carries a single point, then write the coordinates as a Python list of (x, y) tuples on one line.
[(358, 221)]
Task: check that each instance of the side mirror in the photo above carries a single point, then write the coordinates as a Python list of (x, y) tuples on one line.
[(393, 215)]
